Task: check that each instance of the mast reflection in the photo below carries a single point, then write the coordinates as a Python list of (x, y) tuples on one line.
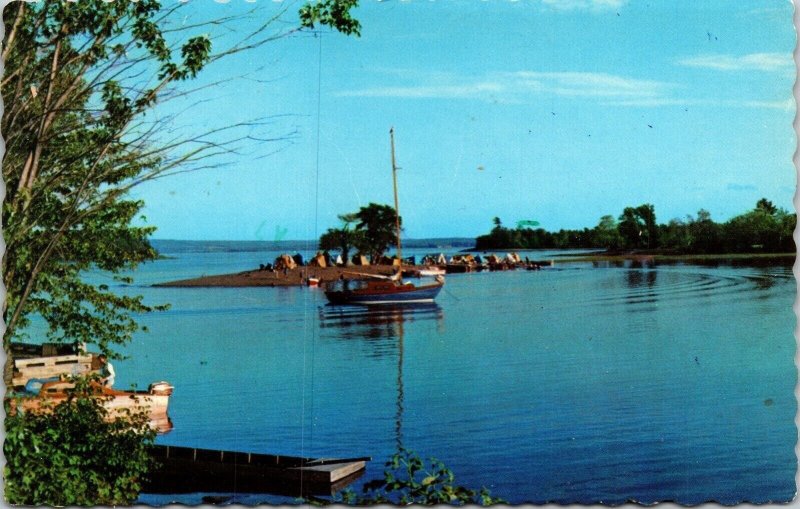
[(381, 323)]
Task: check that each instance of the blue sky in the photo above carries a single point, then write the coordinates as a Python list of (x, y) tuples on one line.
[(558, 111)]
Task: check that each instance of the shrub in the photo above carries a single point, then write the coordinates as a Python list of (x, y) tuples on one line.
[(407, 479), (72, 454)]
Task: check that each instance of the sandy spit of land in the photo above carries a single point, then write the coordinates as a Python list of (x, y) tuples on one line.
[(292, 277), (299, 275)]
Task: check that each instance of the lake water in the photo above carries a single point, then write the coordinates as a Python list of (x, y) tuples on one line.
[(583, 383)]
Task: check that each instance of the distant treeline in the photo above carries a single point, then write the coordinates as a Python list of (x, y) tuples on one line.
[(765, 229)]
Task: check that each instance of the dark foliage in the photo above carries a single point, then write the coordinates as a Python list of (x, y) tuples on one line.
[(765, 229)]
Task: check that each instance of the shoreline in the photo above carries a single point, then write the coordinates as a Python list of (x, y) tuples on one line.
[(298, 276), (268, 278)]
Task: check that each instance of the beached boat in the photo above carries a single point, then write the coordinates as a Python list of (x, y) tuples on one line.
[(374, 289), (154, 401), (49, 360), (424, 271), (431, 272)]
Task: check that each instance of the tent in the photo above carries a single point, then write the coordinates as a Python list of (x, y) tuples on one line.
[(360, 260), (339, 261), (513, 258), (284, 261), (318, 261)]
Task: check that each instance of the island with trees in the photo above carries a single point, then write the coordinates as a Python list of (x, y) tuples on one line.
[(766, 229)]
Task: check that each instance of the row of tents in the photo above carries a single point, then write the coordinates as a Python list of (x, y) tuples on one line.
[(321, 259), (325, 259)]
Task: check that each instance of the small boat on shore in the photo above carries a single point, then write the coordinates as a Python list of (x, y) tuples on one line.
[(49, 360), (376, 289), (423, 271), (154, 401)]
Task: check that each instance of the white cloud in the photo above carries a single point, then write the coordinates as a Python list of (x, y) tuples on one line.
[(594, 5), (451, 91), (751, 62), (587, 84), (788, 105), (781, 13), (513, 87), (527, 86)]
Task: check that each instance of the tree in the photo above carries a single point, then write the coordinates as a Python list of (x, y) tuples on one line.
[(378, 229), (498, 237), (79, 79), (765, 228), (787, 223), (766, 206), (606, 234), (343, 239), (638, 227), (630, 228), (675, 235), (74, 455), (705, 234)]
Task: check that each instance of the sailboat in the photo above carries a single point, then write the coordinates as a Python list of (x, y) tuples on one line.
[(377, 289)]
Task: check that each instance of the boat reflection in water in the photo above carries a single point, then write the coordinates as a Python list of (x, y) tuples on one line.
[(377, 323)]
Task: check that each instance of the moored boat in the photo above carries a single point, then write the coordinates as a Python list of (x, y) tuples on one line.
[(154, 401), (374, 289), (380, 291), (49, 360)]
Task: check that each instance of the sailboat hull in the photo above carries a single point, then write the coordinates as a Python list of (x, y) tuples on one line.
[(401, 294)]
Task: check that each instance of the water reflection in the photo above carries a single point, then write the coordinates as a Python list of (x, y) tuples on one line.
[(640, 278), (376, 322), (643, 286), (627, 263), (385, 322)]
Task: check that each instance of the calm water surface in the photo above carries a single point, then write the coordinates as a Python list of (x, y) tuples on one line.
[(580, 384)]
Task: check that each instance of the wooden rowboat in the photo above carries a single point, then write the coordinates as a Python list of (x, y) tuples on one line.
[(49, 360), (154, 401)]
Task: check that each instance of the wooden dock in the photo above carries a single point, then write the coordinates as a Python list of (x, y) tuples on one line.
[(192, 470)]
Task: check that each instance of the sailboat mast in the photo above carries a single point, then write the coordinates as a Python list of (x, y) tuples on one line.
[(396, 203)]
